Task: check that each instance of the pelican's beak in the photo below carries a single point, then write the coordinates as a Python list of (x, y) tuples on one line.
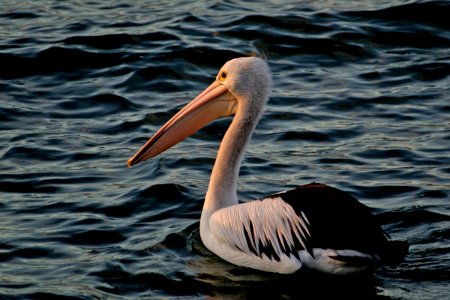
[(213, 103)]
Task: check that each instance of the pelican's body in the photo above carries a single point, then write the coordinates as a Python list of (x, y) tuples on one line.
[(315, 226)]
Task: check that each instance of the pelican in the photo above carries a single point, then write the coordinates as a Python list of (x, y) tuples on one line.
[(313, 226)]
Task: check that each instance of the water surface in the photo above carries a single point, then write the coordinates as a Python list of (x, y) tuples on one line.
[(360, 102)]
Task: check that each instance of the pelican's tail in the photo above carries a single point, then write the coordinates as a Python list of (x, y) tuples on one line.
[(394, 252)]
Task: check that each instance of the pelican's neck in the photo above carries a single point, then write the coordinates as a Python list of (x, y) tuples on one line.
[(222, 190)]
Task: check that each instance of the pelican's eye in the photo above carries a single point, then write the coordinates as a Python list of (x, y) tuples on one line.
[(222, 75)]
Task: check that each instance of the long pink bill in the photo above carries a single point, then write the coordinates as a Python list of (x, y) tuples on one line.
[(213, 103)]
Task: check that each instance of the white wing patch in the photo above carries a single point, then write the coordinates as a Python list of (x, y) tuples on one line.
[(269, 227)]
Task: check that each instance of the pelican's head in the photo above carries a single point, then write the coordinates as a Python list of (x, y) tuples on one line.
[(247, 78), (241, 86)]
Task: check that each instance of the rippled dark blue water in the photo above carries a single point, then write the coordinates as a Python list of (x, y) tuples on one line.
[(361, 102)]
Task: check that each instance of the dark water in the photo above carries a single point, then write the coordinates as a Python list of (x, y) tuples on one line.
[(361, 101)]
